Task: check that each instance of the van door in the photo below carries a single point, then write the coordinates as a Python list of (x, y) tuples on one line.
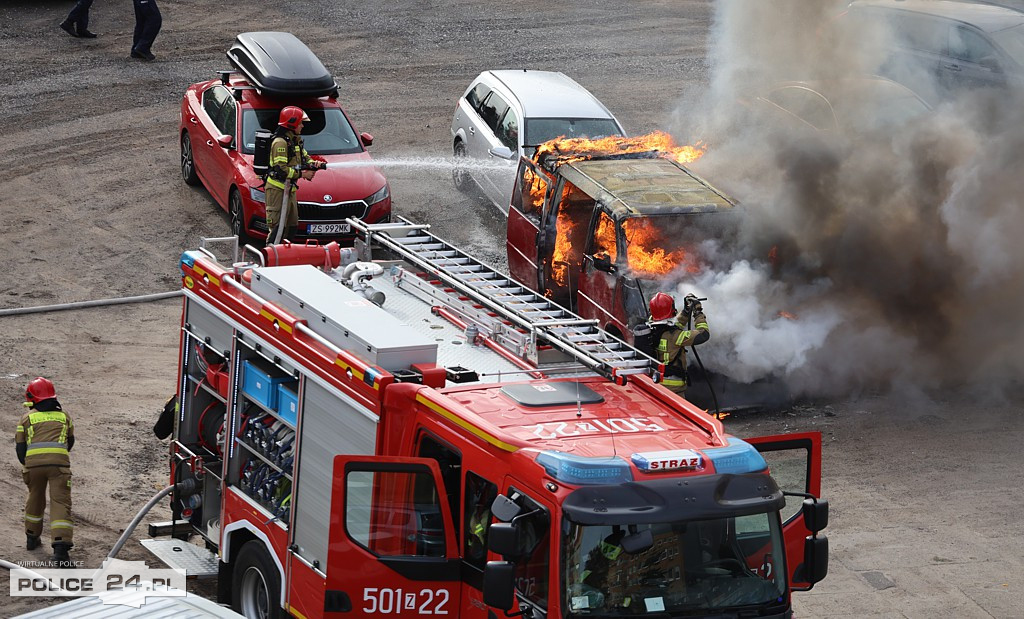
[(601, 274), (794, 461), (392, 544), (529, 195)]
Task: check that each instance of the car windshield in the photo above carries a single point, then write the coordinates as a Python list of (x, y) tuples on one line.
[(540, 130), (674, 567), (1012, 42), (327, 132)]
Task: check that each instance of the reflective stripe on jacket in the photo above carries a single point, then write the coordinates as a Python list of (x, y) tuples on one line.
[(286, 152), (46, 435)]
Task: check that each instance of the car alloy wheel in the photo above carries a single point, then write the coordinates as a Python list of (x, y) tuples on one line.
[(188, 163)]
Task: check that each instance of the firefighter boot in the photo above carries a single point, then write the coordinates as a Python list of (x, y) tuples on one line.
[(31, 541), (60, 554)]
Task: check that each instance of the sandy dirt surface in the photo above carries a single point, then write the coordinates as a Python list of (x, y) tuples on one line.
[(925, 494)]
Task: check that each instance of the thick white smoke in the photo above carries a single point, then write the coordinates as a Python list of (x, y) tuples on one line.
[(890, 258)]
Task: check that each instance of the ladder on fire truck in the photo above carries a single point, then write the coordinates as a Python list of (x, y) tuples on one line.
[(532, 327)]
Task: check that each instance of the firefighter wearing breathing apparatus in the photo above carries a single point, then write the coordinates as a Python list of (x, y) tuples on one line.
[(289, 162), (43, 439), (676, 335)]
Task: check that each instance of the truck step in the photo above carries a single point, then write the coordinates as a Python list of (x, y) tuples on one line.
[(197, 561)]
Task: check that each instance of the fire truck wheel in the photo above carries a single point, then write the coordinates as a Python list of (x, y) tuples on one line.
[(237, 214), (459, 175), (256, 584), (188, 163)]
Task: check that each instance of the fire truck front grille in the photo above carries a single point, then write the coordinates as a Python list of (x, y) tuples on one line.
[(314, 211)]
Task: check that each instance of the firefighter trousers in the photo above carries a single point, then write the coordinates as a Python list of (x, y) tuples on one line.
[(274, 197), (58, 479)]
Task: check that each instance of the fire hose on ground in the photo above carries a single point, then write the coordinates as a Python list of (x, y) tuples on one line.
[(159, 296)]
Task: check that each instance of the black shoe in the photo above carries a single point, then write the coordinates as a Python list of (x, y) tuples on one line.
[(85, 34), (31, 541), (69, 28), (143, 55), (60, 554)]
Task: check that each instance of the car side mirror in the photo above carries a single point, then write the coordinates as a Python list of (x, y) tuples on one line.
[(500, 584), (815, 514), (366, 139), (504, 152), (603, 263), (225, 141)]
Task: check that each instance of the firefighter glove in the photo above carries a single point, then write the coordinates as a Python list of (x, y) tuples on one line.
[(691, 305)]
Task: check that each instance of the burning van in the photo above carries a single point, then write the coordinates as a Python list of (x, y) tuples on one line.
[(600, 226)]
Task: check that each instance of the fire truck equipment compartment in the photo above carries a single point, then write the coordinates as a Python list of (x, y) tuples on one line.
[(287, 403), (344, 318), (278, 63), (260, 386), (552, 394)]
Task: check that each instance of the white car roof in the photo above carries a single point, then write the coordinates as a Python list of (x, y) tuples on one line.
[(550, 94)]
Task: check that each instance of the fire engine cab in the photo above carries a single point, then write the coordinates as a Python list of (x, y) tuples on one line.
[(397, 429)]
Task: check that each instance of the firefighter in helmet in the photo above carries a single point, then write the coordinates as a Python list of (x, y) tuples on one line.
[(289, 161), (43, 439), (676, 335)]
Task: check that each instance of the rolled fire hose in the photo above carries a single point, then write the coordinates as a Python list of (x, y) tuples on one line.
[(284, 211), (158, 296)]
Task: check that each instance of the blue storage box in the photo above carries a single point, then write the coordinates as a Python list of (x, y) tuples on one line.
[(258, 385), (287, 403)]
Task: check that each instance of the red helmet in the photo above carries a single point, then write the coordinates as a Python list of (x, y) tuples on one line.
[(291, 116), (39, 389), (662, 306)]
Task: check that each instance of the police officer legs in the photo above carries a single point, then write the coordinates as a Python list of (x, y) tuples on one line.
[(77, 22), (43, 439), (147, 26)]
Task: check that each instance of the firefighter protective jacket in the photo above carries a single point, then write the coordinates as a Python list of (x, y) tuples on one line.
[(674, 339), (286, 154), (46, 437)]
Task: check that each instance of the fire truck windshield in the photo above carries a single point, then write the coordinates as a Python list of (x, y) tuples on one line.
[(674, 568)]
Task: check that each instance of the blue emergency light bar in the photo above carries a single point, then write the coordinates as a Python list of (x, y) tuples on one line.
[(739, 457), (584, 471), (188, 258)]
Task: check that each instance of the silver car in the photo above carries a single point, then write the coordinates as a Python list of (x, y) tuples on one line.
[(506, 114)]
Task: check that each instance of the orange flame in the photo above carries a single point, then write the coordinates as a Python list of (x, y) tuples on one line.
[(787, 315), (576, 149), (646, 253)]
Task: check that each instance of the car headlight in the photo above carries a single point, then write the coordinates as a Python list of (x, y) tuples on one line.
[(257, 194), (380, 195)]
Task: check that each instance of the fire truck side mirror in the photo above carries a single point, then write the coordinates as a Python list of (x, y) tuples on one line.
[(815, 566), (503, 538), (815, 514), (504, 508), (500, 584)]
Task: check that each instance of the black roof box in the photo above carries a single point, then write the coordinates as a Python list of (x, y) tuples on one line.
[(278, 63)]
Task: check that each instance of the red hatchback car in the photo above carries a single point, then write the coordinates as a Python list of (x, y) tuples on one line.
[(218, 125)]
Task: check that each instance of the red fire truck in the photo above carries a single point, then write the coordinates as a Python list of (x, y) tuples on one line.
[(397, 429)]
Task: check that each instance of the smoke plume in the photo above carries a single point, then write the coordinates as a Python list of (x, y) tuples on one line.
[(883, 257)]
